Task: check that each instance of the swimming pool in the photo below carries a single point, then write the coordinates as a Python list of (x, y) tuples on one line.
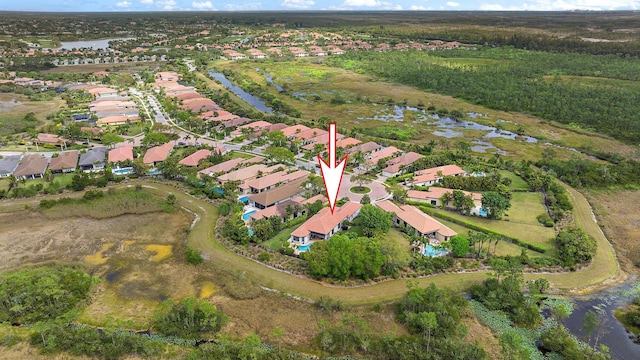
[(431, 251), (246, 216), (482, 212), (250, 231), (244, 198), (304, 248), (123, 171)]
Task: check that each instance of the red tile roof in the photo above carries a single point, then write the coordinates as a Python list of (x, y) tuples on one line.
[(65, 160), (121, 153), (158, 153), (432, 173), (194, 159), (420, 221), (324, 221)]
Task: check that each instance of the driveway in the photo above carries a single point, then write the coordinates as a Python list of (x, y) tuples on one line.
[(378, 191)]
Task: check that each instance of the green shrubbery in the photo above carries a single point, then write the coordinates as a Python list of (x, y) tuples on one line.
[(190, 318)]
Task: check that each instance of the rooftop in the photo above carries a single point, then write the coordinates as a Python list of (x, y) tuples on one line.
[(420, 221), (195, 158), (65, 160), (121, 153), (324, 221), (158, 153)]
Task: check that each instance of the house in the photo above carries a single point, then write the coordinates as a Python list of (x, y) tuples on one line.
[(280, 210), (368, 147), (251, 127), (223, 167), (31, 167), (277, 195), (324, 224), (157, 154), (50, 139), (306, 135), (431, 176), (395, 165), (297, 52), (167, 76), (200, 105), (103, 92), (8, 165), (270, 181), (82, 118), (347, 142), (433, 195), (65, 162), (373, 158), (290, 131), (116, 120), (423, 224), (120, 154), (194, 159), (243, 175), (93, 159)]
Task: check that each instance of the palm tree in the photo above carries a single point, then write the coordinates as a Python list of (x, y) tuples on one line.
[(13, 182)]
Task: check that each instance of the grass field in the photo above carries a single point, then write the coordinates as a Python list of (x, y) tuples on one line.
[(304, 77), (521, 222), (517, 183), (62, 179), (13, 108), (91, 68)]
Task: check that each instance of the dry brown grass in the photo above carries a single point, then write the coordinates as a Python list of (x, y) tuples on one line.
[(483, 336), (618, 215)]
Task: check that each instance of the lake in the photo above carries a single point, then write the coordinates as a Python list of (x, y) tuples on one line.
[(254, 101), (91, 44)]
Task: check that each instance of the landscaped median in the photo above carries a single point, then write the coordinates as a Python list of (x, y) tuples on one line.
[(604, 267)]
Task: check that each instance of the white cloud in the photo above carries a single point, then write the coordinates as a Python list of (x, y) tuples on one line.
[(561, 5), (203, 5), (361, 3), (123, 4), (146, 1), (243, 7), (297, 4), (167, 4), (452, 4), (417, 7)]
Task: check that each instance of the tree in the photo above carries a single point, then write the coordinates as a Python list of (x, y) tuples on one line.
[(109, 139), (445, 199), (575, 247), (495, 204), (365, 199), (399, 193), (459, 245), (426, 320), (169, 168), (375, 221), (280, 155), (361, 180), (262, 229), (340, 256), (190, 318), (139, 167), (313, 208), (277, 138), (154, 139)]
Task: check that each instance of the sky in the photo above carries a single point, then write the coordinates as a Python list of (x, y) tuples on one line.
[(256, 5)]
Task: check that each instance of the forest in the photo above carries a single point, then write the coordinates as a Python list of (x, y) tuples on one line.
[(521, 86)]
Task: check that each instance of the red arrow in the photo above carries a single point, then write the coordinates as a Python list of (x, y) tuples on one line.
[(332, 173)]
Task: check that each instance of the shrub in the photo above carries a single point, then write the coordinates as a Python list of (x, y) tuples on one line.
[(189, 318), (192, 256), (224, 209), (545, 220)]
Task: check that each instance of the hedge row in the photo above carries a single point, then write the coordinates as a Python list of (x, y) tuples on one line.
[(430, 211)]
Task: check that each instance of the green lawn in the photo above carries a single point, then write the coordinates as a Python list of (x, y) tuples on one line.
[(517, 183), (280, 240), (520, 221), (62, 179)]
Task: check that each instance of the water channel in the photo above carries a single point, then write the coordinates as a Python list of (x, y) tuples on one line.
[(613, 333), (254, 101), (90, 44)]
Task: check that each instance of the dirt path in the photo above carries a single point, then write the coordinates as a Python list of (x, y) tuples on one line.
[(603, 272)]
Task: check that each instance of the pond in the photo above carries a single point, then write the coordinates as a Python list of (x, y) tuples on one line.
[(270, 81), (251, 99), (614, 334), (90, 44)]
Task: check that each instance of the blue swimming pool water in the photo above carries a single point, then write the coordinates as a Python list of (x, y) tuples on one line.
[(124, 171), (304, 248), (482, 212), (155, 172), (218, 190), (250, 230), (246, 216), (244, 198), (431, 251)]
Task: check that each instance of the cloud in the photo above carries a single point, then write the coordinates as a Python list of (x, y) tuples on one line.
[(123, 4), (203, 5), (452, 4), (563, 5), (297, 4), (167, 4), (146, 1), (361, 3), (243, 7)]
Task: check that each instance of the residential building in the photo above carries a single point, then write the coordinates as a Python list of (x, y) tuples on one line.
[(194, 159), (8, 165), (277, 195), (116, 120), (290, 131), (373, 158), (366, 148), (31, 167), (223, 167), (423, 224), (433, 195), (324, 224), (245, 174), (120, 154), (94, 159), (157, 154), (65, 162), (280, 210), (431, 176), (395, 165), (270, 181)]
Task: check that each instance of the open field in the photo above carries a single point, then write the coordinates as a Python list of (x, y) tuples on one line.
[(307, 81), (517, 183), (617, 214), (13, 108)]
